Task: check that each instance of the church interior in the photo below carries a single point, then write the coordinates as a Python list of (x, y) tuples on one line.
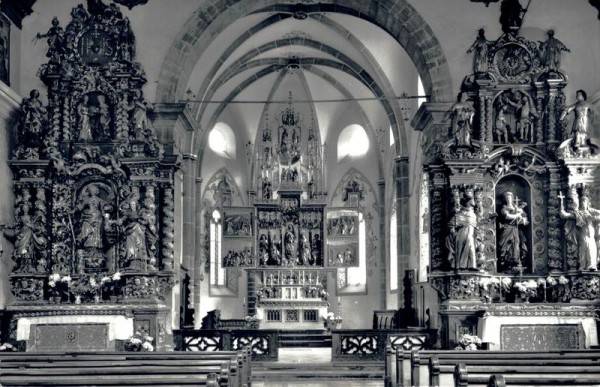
[(299, 192)]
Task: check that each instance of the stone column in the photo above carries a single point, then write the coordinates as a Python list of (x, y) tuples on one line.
[(401, 172)]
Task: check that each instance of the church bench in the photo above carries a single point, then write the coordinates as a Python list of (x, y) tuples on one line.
[(231, 368), (203, 376), (412, 368), (444, 373), (471, 376)]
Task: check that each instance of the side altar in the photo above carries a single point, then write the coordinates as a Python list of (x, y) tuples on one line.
[(513, 201), (94, 210)]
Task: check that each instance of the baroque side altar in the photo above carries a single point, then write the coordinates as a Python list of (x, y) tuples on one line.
[(513, 198), (94, 210)]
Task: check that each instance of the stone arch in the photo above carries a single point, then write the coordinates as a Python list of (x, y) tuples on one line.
[(396, 17)]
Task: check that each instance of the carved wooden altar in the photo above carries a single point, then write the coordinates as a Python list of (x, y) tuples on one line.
[(94, 206), (288, 242), (511, 187)]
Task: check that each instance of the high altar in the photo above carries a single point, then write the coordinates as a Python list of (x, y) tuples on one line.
[(94, 210), (510, 171), (288, 241)]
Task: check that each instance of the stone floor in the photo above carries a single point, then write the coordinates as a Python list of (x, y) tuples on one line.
[(301, 372)]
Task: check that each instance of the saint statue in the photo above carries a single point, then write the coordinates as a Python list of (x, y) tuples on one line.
[(582, 115), (289, 243), (55, 37), (34, 116), (480, 47), (551, 51), (580, 231), (501, 126), (85, 127), (461, 238), (29, 242), (304, 257), (512, 243), (135, 227), (461, 114), (263, 250), (91, 218), (525, 112)]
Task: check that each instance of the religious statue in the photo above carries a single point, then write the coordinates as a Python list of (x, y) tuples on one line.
[(263, 249), (551, 51), (85, 127), (525, 112), (461, 238), (29, 242), (34, 116), (461, 114), (480, 57), (289, 243), (275, 250), (55, 37), (304, 256), (316, 250), (139, 116), (582, 111), (511, 16), (580, 230), (104, 115), (90, 205), (135, 228), (501, 127), (512, 243)]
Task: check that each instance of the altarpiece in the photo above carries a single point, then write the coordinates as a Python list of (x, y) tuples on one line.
[(512, 196), (94, 211)]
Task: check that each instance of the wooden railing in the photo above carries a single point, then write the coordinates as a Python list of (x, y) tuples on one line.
[(356, 344), (263, 343)]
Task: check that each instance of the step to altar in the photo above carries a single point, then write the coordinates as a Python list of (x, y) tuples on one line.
[(305, 338)]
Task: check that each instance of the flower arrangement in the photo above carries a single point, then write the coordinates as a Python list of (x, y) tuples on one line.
[(332, 320), (140, 342), (59, 286), (252, 322), (110, 285), (468, 343), (527, 289), (7, 347)]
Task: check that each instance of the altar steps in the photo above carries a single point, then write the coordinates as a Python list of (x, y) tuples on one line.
[(305, 338)]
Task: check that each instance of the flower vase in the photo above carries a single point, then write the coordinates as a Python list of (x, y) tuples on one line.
[(114, 299), (97, 299), (78, 299)]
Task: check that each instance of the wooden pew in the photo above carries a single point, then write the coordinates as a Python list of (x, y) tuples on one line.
[(412, 368), (230, 369), (531, 375)]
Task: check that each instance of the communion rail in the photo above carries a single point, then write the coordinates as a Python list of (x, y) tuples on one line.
[(263, 343), (367, 344)]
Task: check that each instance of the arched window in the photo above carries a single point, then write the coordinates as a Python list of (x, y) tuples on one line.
[(217, 273), (221, 140), (353, 142), (393, 251)]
